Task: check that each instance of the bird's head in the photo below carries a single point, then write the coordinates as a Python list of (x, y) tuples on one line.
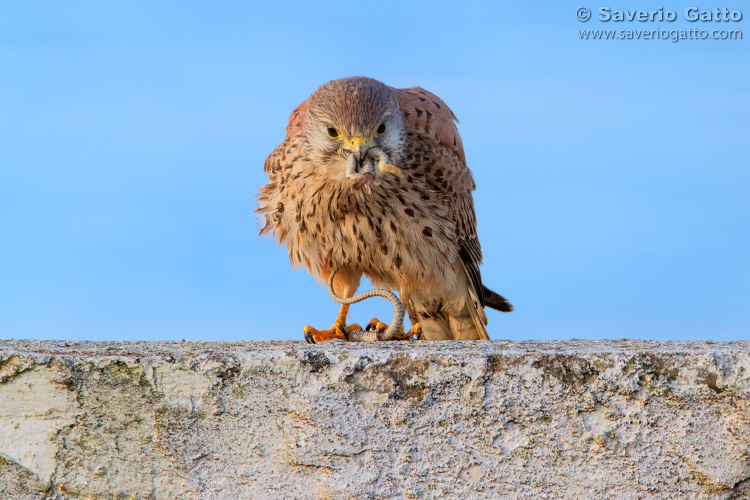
[(355, 124)]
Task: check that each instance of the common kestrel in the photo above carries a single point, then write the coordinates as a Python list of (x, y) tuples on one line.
[(373, 180)]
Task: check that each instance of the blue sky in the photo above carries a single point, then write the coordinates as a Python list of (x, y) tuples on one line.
[(613, 176)]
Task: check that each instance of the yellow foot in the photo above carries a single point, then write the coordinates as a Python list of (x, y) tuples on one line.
[(337, 331), (376, 325)]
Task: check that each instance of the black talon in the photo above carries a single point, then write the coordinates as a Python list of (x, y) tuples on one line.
[(419, 333), (309, 338)]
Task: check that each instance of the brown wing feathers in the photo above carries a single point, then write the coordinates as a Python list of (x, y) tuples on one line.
[(472, 268), (426, 111), (423, 110)]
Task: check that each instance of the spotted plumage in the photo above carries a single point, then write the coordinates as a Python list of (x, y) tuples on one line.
[(407, 224)]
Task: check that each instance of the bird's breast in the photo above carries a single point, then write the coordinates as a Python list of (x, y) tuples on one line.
[(388, 233)]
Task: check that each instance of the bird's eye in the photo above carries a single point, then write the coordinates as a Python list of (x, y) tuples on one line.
[(333, 133), (381, 128)]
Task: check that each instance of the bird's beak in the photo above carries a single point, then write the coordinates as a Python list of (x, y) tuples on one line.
[(359, 146), (357, 161)]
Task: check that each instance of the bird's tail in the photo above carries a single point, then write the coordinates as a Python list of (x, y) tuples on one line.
[(496, 301)]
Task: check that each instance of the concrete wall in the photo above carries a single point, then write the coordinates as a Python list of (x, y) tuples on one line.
[(575, 419)]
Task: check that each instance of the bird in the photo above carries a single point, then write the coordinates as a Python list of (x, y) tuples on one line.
[(372, 181)]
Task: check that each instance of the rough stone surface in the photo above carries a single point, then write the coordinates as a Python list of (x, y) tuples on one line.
[(190, 420)]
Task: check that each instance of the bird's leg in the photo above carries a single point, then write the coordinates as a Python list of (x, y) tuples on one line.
[(339, 330), (345, 283), (377, 326)]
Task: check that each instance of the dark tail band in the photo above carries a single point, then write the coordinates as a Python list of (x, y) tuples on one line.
[(496, 301)]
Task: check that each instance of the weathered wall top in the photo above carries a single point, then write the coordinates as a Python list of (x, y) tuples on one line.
[(190, 420)]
